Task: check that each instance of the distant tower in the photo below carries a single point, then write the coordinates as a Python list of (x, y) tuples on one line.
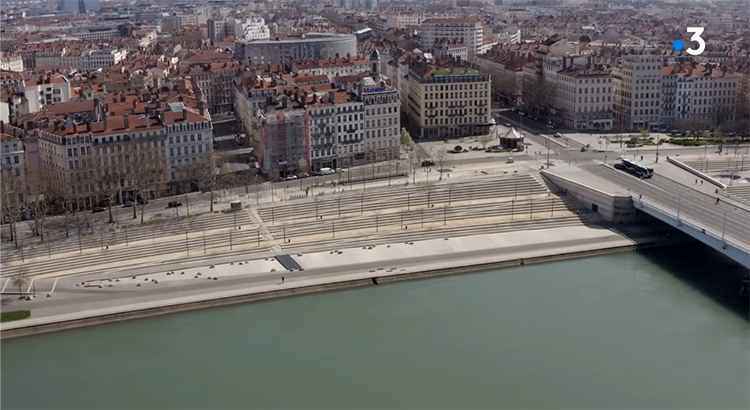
[(81, 7), (375, 62)]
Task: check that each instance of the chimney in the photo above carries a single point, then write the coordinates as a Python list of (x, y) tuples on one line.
[(284, 101), (180, 98), (184, 114), (126, 122), (201, 108), (315, 99), (332, 96), (88, 126), (57, 125), (348, 57)]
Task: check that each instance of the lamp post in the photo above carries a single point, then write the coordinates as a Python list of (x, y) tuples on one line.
[(679, 206), (723, 227)]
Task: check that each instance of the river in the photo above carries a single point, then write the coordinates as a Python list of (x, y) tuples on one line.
[(663, 328)]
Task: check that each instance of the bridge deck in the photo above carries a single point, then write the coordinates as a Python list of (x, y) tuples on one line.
[(722, 217)]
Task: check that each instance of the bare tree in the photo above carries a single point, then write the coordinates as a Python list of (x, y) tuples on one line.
[(208, 174), (10, 189), (39, 189), (413, 165), (143, 168), (20, 279), (440, 155), (106, 178)]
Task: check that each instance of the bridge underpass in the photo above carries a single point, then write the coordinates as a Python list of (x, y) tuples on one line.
[(723, 226)]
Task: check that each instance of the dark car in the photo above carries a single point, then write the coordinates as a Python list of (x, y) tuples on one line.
[(127, 204), (174, 204), (619, 166), (142, 201), (428, 163), (98, 209)]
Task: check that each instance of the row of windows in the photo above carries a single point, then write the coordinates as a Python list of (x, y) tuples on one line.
[(457, 87)]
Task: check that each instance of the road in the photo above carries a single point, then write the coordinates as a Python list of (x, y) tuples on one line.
[(538, 132), (685, 201)]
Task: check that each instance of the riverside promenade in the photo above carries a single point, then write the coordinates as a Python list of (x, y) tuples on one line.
[(109, 297)]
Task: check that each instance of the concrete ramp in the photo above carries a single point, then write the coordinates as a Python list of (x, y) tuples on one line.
[(288, 262), (601, 197)]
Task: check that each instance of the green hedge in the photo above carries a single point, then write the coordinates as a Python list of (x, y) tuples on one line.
[(17, 315)]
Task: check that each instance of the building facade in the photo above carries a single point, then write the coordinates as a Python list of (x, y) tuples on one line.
[(282, 50), (448, 100), (468, 31)]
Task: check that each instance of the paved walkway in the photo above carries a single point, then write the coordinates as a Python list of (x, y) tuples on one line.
[(382, 264)]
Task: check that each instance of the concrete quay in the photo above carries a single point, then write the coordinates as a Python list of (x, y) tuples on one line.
[(102, 298)]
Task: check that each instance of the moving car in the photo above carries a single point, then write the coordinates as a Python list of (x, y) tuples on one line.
[(128, 204), (174, 204), (557, 135), (325, 171), (428, 163), (98, 209), (290, 178)]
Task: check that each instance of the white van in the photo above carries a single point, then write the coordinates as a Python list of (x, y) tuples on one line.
[(325, 171)]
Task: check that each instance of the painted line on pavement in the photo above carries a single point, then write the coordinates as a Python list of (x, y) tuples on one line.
[(30, 285), (54, 285), (5, 286)]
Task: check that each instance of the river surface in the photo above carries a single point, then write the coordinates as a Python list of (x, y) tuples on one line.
[(657, 329)]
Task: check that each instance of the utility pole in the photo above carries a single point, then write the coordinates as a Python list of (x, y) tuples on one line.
[(187, 245), (724, 227), (679, 206)]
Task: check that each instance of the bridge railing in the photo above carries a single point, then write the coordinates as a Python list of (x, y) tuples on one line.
[(640, 202)]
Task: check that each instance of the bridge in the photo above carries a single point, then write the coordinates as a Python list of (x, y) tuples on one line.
[(719, 224)]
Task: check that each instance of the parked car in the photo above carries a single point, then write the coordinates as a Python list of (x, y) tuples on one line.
[(98, 209), (428, 163), (557, 135), (584, 149), (174, 204), (521, 113), (128, 204), (290, 178), (304, 175)]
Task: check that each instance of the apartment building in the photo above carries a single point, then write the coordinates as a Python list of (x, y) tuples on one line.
[(506, 72), (140, 142), (301, 46), (46, 89), (216, 82), (252, 28), (400, 21), (352, 121), (469, 31), (11, 62), (637, 79), (331, 67), (706, 96), (584, 97), (12, 166), (448, 99), (94, 34), (87, 60)]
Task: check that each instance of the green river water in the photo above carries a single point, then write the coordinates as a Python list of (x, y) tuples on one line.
[(658, 329)]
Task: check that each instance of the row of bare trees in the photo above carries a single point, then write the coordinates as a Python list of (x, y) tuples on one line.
[(129, 171)]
